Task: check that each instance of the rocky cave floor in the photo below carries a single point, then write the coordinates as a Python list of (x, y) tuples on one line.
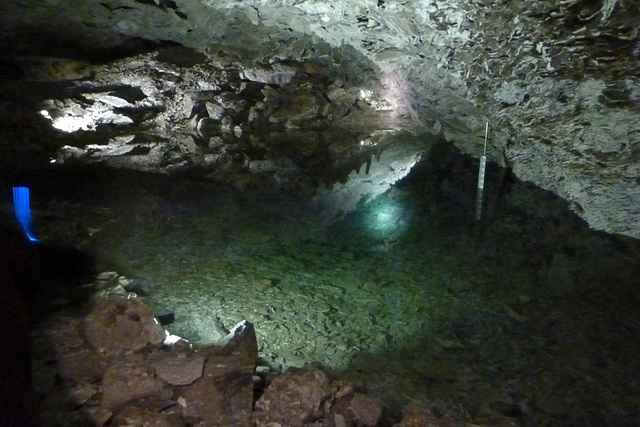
[(525, 318)]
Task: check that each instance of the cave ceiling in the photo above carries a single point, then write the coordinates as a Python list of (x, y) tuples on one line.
[(306, 91)]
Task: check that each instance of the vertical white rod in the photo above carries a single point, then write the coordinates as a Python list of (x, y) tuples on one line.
[(481, 174)]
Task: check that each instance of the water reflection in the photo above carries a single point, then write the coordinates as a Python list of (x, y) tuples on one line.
[(384, 166)]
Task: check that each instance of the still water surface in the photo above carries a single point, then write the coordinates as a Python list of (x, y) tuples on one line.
[(527, 312)]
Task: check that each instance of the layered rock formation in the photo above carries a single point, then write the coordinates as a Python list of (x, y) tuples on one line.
[(557, 80)]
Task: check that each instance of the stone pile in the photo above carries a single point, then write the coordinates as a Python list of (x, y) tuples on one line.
[(114, 366)]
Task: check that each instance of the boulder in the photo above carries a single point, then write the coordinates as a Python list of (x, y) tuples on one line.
[(365, 410), (179, 368), (223, 395), (295, 398), (81, 365), (127, 379), (118, 326)]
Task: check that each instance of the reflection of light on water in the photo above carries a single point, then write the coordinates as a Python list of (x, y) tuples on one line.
[(368, 183), (386, 217)]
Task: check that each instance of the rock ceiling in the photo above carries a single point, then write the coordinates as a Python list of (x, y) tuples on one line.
[(162, 84)]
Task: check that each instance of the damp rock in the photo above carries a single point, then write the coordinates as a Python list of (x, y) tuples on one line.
[(126, 380), (179, 368), (365, 410), (120, 326), (295, 398), (416, 418), (223, 395), (82, 365), (258, 166)]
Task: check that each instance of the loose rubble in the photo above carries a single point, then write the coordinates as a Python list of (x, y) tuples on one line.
[(110, 367)]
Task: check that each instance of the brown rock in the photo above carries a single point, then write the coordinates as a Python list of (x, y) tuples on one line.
[(81, 365), (148, 416), (242, 342), (63, 333), (295, 398), (415, 418), (365, 410), (335, 420), (179, 368), (98, 416), (81, 393), (118, 326), (126, 380), (223, 396)]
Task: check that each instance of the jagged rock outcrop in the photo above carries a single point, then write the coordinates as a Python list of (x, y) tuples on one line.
[(557, 80)]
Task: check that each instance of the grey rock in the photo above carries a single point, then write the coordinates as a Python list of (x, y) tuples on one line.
[(215, 111), (557, 82), (204, 326), (262, 166), (277, 74)]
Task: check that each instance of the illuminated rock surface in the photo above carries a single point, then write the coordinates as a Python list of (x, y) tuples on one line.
[(556, 80)]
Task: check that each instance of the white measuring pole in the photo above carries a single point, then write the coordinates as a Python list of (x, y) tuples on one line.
[(481, 173)]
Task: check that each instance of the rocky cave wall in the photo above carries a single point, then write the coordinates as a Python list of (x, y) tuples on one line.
[(557, 80)]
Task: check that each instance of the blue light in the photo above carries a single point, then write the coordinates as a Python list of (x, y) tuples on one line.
[(23, 210)]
